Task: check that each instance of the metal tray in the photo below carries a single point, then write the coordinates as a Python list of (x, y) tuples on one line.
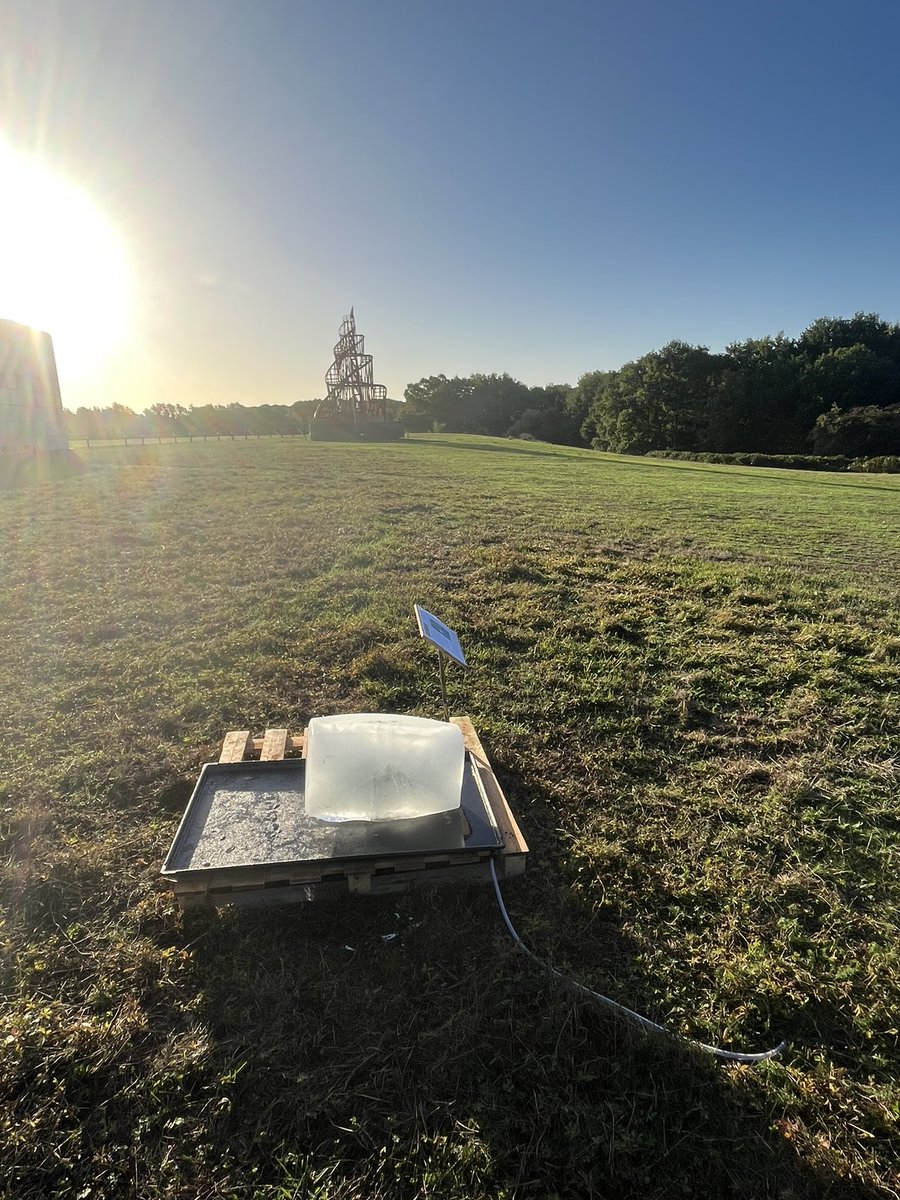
[(252, 814)]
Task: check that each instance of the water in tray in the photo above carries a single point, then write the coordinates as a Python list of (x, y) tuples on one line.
[(382, 767)]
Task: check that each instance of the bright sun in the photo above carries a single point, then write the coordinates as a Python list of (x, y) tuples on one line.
[(62, 265)]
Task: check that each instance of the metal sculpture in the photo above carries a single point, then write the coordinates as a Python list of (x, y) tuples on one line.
[(352, 394)]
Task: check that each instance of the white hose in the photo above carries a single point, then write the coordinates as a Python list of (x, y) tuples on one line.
[(644, 1022)]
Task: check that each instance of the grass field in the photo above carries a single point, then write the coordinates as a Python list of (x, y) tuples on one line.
[(687, 679)]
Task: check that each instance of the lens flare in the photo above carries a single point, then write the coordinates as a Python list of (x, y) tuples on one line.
[(63, 267)]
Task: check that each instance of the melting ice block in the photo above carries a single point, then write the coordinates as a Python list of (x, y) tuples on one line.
[(382, 767)]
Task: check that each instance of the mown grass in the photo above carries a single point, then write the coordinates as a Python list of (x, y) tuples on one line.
[(687, 677)]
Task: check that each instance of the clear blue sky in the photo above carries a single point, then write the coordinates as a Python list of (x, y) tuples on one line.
[(539, 188)]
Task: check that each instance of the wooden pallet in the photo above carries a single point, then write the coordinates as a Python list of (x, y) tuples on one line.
[(265, 885), (275, 744)]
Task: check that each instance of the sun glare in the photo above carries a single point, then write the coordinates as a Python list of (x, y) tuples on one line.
[(62, 266)]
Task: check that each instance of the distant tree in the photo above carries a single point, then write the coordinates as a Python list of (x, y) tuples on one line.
[(494, 402), (582, 398), (549, 417), (840, 333), (476, 404), (552, 395), (858, 432), (853, 377), (763, 395), (762, 400), (442, 400), (166, 420), (117, 421), (83, 423), (658, 402)]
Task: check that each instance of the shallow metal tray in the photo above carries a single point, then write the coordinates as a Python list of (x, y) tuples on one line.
[(252, 814)]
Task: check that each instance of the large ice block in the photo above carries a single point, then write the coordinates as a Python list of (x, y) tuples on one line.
[(382, 767)]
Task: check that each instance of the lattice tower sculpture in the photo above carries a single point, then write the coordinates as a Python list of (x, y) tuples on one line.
[(352, 395)]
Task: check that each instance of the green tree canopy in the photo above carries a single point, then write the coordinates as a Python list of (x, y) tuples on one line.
[(658, 402), (871, 430)]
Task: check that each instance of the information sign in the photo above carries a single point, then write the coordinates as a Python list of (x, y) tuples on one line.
[(439, 635)]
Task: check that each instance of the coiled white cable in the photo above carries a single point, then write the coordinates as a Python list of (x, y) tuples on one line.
[(644, 1022)]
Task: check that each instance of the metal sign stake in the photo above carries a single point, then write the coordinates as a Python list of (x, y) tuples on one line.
[(445, 641), (443, 685)]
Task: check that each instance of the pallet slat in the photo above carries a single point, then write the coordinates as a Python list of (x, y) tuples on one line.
[(234, 748), (274, 745)]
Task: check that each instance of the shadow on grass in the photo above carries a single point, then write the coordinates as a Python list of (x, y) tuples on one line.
[(400, 1046), (394, 1046), (447, 444), (790, 475), (637, 462)]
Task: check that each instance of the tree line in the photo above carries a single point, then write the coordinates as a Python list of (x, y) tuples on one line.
[(496, 405), (834, 390), (117, 423)]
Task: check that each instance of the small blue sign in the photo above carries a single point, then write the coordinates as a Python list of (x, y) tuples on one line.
[(439, 635)]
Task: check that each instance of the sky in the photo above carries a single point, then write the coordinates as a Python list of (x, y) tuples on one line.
[(539, 188)]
